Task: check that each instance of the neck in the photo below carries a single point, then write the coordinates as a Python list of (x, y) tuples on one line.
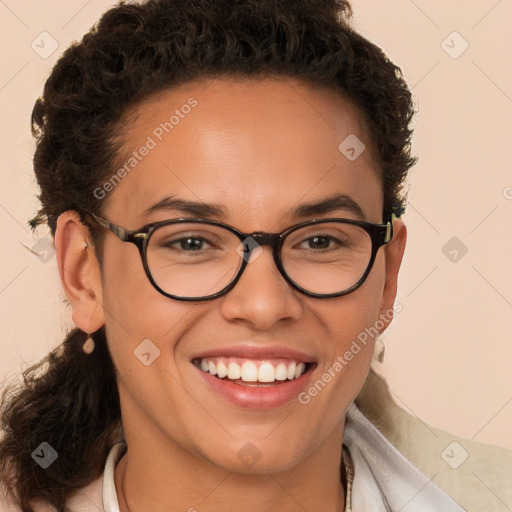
[(146, 479)]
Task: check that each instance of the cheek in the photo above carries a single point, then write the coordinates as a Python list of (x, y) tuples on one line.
[(353, 323), (349, 316), (353, 334), (143, 330), (138, 318), (131, 302)]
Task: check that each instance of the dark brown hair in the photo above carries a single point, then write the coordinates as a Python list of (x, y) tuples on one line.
[(70, 399)]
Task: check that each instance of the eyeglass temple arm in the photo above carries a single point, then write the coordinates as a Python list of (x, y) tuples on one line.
[(121, 233), (389, 230)]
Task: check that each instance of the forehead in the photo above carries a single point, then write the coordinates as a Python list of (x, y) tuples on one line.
[(257, 147)]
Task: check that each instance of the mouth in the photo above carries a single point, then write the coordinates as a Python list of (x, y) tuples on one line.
[(253, 377), (253, 372)]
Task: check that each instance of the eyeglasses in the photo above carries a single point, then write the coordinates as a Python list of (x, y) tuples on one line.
[(197, 259)]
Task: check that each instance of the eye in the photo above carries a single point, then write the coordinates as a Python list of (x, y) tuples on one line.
[(318, 242), (322, 242), (188, 243)]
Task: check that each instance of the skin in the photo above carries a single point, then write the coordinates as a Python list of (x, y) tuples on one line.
[(259, 148)]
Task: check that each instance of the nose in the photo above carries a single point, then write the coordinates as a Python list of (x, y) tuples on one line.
[(262, 297)]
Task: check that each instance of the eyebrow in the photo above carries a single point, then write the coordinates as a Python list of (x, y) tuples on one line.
[(194, 208), (209, 210), (328, 205)]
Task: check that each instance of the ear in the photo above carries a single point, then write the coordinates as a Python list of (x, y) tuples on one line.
[(394, 252), (79, 271)]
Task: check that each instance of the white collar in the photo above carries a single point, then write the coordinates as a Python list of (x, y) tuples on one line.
[(110, 503), (384, 480)]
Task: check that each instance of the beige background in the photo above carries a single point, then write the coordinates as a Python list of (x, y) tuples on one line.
[(449, 351)]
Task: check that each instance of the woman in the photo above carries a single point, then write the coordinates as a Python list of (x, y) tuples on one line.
[(223, 181)]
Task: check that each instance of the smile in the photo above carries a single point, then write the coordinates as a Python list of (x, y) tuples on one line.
[(245, 371)]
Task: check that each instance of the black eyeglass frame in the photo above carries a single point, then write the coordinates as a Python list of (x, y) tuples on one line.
[(380, 234)]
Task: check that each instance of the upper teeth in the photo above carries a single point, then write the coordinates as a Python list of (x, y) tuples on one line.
[(252, 371)]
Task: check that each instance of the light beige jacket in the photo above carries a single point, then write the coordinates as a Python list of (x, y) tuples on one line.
[(480, 481)]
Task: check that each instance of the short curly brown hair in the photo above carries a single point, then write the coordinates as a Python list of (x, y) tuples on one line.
[(138, 50), (70, 399)]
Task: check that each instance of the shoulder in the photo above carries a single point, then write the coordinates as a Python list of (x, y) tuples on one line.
[(89, 498), (476, 475)]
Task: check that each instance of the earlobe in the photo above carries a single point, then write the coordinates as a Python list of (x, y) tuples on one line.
[(79, 271), (394, 252)]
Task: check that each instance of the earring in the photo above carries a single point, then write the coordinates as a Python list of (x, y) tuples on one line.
[(89, 345)]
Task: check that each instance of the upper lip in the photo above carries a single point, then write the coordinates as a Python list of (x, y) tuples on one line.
[(256, 352)]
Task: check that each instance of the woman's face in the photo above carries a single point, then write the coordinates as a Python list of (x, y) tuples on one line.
[(258, 150)]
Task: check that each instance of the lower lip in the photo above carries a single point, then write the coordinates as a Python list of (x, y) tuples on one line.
[(257, 397)]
